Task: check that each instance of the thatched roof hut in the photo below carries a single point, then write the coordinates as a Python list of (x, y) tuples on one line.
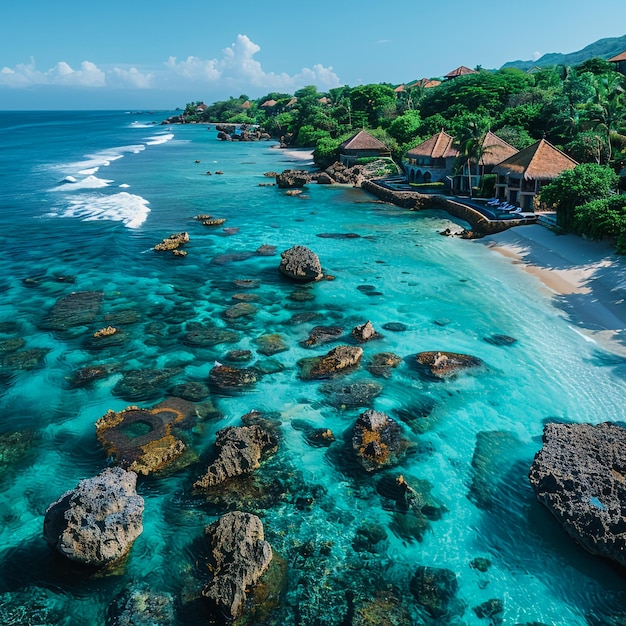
[(496, 150), (439, 146), (361, 144), (541, 161)]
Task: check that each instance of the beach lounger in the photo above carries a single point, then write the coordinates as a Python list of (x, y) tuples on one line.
[(493, 202)]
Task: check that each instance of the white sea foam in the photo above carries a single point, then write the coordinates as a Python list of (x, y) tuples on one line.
[(102, 159), (124, 207), (90, 182), (140, 125), (87, 172), (159, 139), (124, 185), (69, 179)]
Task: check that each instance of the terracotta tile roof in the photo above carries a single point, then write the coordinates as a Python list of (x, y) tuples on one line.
[(269, 103), (399, 89), (439, 146), (292, 102), (541, 161), (496, 150), (246, 104), (460, 71), (362, 141), (323, 100), (619, 57)]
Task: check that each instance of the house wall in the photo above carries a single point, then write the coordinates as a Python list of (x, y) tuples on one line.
[(350, 158), (429, 171)]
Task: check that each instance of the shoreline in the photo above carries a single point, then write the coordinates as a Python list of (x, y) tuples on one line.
[(586, 278)]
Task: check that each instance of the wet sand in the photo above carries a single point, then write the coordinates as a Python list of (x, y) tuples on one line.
[(587, 278)]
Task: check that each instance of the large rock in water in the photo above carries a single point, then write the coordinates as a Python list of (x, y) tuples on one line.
[(97, 522), (239, 555), (240, 450), (301, 264), (290, 179), (339, 360), (580, 475), (447, 364), (378, 440)]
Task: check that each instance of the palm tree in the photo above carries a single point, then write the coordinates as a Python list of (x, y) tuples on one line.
[(606, 110), (470, 143)]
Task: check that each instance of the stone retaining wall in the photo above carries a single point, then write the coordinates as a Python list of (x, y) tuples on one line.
[(415, 201)]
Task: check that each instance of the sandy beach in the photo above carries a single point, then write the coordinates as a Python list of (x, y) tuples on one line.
[(587, 278)]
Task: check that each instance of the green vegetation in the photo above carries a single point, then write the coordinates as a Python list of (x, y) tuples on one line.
[(579, 109)]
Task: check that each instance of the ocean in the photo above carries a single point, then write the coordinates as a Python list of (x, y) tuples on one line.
[(85, 197)]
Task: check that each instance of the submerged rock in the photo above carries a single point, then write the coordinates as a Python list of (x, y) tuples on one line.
[(86, 375), (434, 589), (377, 440), (145, 440), (447, 364), (144, 384), (339, 360), (270, 344), (491, 460), (138, 605), (500, 340), (97, 522), (360, 393), (239, 450), (30, 359), (300, 264), (412, 504), (227, 378), (205, 335), (239, 310), (382, 363), (580, 476), (76, 309), (238, 557), (322, 334)]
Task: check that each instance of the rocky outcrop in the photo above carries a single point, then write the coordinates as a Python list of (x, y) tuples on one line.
[(239, 450), (580, 476), (145, 440), (360, 393), (301, 264), (290, 179), (447, 364), (365, 332), (238, 557), (339, 360), (97, 522), (377, 440)]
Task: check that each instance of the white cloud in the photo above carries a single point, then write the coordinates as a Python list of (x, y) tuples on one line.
[(131, 78), (237, 69)]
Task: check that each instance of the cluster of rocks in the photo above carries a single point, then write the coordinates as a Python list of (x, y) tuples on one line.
[(173, 243), (243, 132), (338, 173)]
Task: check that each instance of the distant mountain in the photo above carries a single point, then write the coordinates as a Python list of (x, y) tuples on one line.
[(604, 48)]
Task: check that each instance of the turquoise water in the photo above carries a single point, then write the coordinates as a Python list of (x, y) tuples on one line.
[(132, 184)]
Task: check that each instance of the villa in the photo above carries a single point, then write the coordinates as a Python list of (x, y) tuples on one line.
[(521, 176), (361, 145), (432, 161), (495, 150), (620, 62), (460, 71)]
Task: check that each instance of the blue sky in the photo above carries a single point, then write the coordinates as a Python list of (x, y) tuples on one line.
[(160, 55)]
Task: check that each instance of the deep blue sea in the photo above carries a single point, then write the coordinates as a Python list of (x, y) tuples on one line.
[(85, 196)]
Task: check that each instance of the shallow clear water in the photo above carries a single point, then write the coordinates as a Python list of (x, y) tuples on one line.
[(132, 183)]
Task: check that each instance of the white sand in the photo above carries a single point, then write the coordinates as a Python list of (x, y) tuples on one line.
[(587, 278)]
